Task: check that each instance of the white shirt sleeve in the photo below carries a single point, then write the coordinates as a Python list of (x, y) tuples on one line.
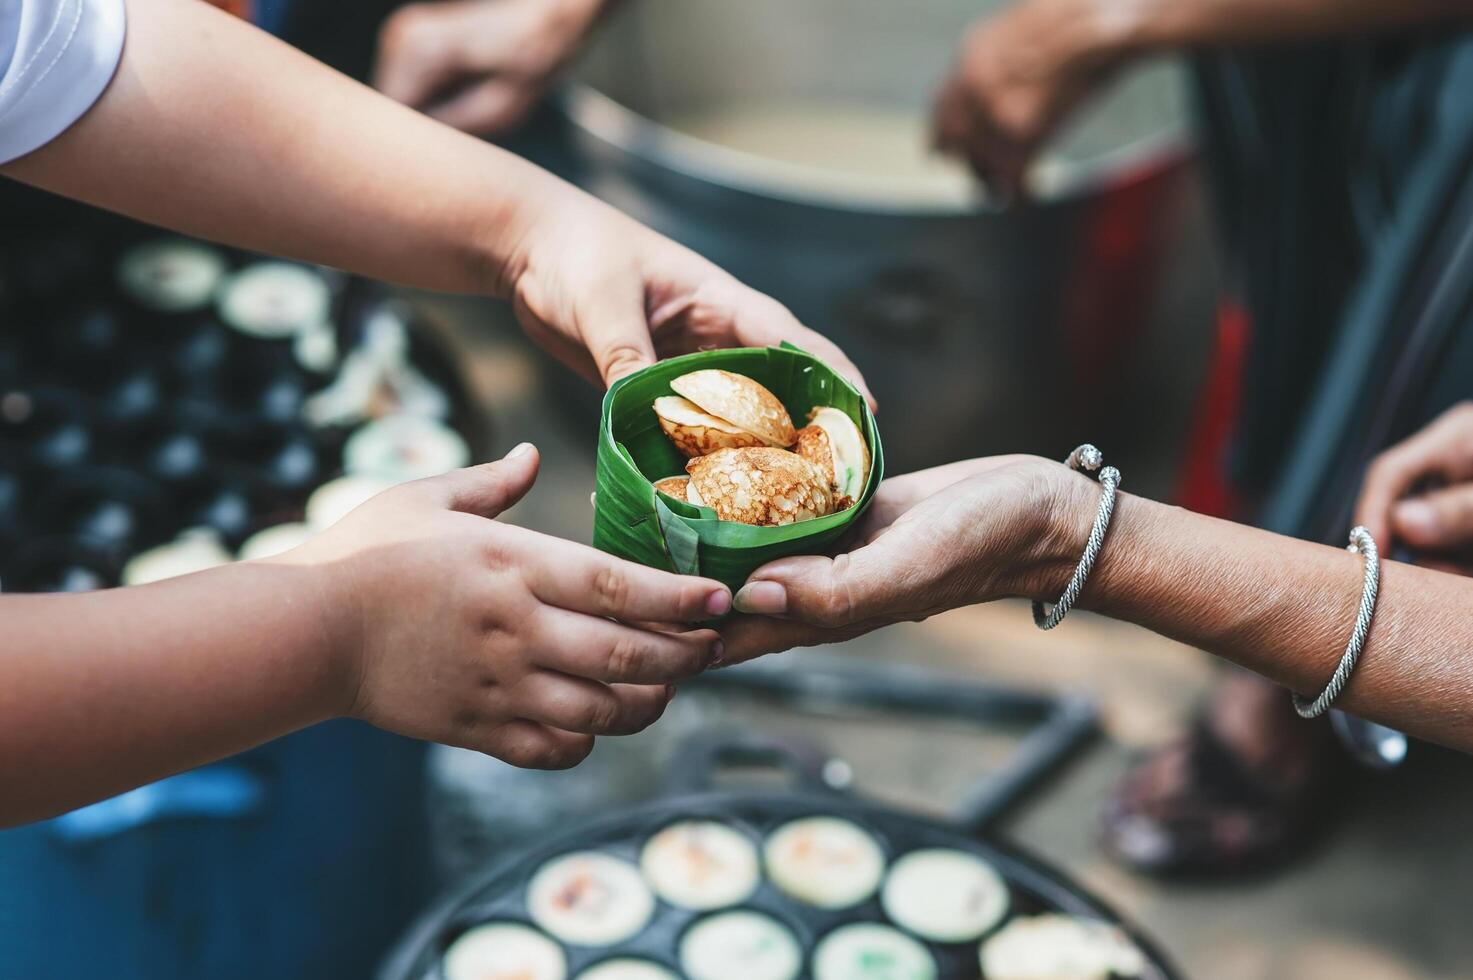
[(56, 58)]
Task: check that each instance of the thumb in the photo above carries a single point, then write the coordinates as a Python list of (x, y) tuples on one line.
[(616, 330), (819, 591), (491, 488), (1439, 521)]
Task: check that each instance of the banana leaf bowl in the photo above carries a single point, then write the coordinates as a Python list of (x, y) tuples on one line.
[(633, 521)]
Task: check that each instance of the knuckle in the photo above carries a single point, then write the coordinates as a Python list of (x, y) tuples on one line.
[(626, 658), (522, 753), (610, 589), (567, 756), (834, 605), (596, 715), (621, 357)]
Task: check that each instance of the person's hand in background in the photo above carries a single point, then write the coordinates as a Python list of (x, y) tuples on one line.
[(479, 65), (608, 296), (1017, 77), (1419, 493), (455, 627), (932, 540)]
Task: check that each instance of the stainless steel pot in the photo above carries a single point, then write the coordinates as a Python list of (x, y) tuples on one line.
[(1084, 315)]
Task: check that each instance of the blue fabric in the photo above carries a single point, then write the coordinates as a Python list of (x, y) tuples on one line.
[(273, 15), (302, 859), (226, 791)]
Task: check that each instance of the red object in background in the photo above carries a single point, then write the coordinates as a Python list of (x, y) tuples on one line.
[(1205, 485), (1114, 273), (243, 9)]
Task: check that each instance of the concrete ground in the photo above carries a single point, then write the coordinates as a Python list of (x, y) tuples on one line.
[(1385, 897)]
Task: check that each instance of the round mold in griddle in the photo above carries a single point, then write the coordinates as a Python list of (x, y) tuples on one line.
[(287, 463), (261, 382), (1059, 947), (500, 891), (404, 447), (510, 948), (109, 507), (227, 499), (202, 353), (194, 550), (740, 944), (871, 951), (135, 398), (336, 498), (701, 864), (172, 449), (944, 895), (274, 540), (170, 276), (590, 898), (825, 861), (627, 968), (275, 300)]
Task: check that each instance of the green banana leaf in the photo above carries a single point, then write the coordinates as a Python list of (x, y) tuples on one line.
[(633, 521)]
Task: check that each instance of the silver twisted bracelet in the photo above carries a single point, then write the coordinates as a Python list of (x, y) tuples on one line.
[(1086, 457), (1360, 542)]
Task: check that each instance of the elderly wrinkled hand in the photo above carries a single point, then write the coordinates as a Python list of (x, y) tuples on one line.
[(1017, 77), (479, 65), (931, 541), (1419, 493)]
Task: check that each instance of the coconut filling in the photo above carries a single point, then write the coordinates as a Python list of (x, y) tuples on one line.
[(682, 411), (847, 448)]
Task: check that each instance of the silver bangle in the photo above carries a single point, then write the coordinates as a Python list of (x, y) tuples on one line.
[(1086, 457), (1360, 542)]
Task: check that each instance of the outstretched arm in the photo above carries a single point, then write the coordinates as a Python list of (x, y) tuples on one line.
[(1276, 605), (217, 129), (418, 612)]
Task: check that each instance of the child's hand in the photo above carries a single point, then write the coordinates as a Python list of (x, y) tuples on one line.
[(464, 630)]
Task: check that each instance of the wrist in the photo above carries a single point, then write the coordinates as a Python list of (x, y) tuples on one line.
[(503, 236), (1113, 29), (1066, 515), (333, 639)]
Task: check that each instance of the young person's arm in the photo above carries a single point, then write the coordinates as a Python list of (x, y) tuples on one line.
[(418, 612), (214, 128), (1016, 526)]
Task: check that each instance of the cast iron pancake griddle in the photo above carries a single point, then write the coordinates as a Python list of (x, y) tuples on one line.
[(500, 894)]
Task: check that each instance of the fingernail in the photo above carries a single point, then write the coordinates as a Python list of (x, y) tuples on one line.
[(520, 449), (718, 603), (718, 650), (669, 693), (763, 598), (1417, 517)]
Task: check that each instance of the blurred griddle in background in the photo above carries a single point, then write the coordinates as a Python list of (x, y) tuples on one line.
[(1384, 899)]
